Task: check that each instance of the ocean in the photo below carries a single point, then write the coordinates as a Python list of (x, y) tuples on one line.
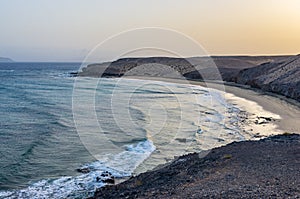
[(52, 124)]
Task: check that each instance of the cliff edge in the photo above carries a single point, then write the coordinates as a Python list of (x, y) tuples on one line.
[(278, 74)]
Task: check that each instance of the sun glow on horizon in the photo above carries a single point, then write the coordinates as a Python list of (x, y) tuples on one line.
[(68, 30)]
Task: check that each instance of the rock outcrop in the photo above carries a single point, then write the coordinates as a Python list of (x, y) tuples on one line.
[(267, 168)]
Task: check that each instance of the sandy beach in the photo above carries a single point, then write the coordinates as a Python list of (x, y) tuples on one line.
[(257, 85), (261, 168), (149, 99), (267, 113), (287, 109)]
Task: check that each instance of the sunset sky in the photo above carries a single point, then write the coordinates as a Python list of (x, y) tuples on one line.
[(66, 30)]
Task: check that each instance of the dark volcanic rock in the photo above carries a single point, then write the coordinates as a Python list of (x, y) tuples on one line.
[(109, 181), (83, 170), (268, 168)]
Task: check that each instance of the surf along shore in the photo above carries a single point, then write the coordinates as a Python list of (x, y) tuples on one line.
[(265, 113), (264, 168)]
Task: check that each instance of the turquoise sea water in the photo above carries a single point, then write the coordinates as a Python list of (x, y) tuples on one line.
[(51, 124)]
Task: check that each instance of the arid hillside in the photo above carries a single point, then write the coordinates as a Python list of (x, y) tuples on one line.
[(278, 74)]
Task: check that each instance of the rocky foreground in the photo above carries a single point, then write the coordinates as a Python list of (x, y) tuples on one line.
[(278, 74), (268, 168)]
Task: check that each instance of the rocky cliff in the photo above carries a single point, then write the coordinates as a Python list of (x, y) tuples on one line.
[(278, 74), (282, 77), (193, 68)]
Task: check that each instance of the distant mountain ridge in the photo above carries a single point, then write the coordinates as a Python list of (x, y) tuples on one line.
[(191, 68), (5, 59)]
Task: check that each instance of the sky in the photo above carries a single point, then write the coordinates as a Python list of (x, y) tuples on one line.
[(67, 30)]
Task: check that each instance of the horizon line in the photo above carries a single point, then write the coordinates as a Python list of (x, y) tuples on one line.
[(151, 56)]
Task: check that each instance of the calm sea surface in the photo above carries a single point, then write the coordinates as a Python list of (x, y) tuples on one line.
[(51, 124)]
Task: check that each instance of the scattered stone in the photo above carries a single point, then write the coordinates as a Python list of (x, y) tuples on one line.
[(83, 170), (109, 180), (183, 140)]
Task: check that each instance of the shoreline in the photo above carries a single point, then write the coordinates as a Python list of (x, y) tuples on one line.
[(267, 105), (253, 101)]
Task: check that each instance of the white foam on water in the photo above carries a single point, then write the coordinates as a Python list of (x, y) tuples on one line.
[(127, 160), (6, 71), (119, 165)]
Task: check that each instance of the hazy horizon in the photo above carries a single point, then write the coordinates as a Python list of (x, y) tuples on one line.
[(109, 60), (67, 30)]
